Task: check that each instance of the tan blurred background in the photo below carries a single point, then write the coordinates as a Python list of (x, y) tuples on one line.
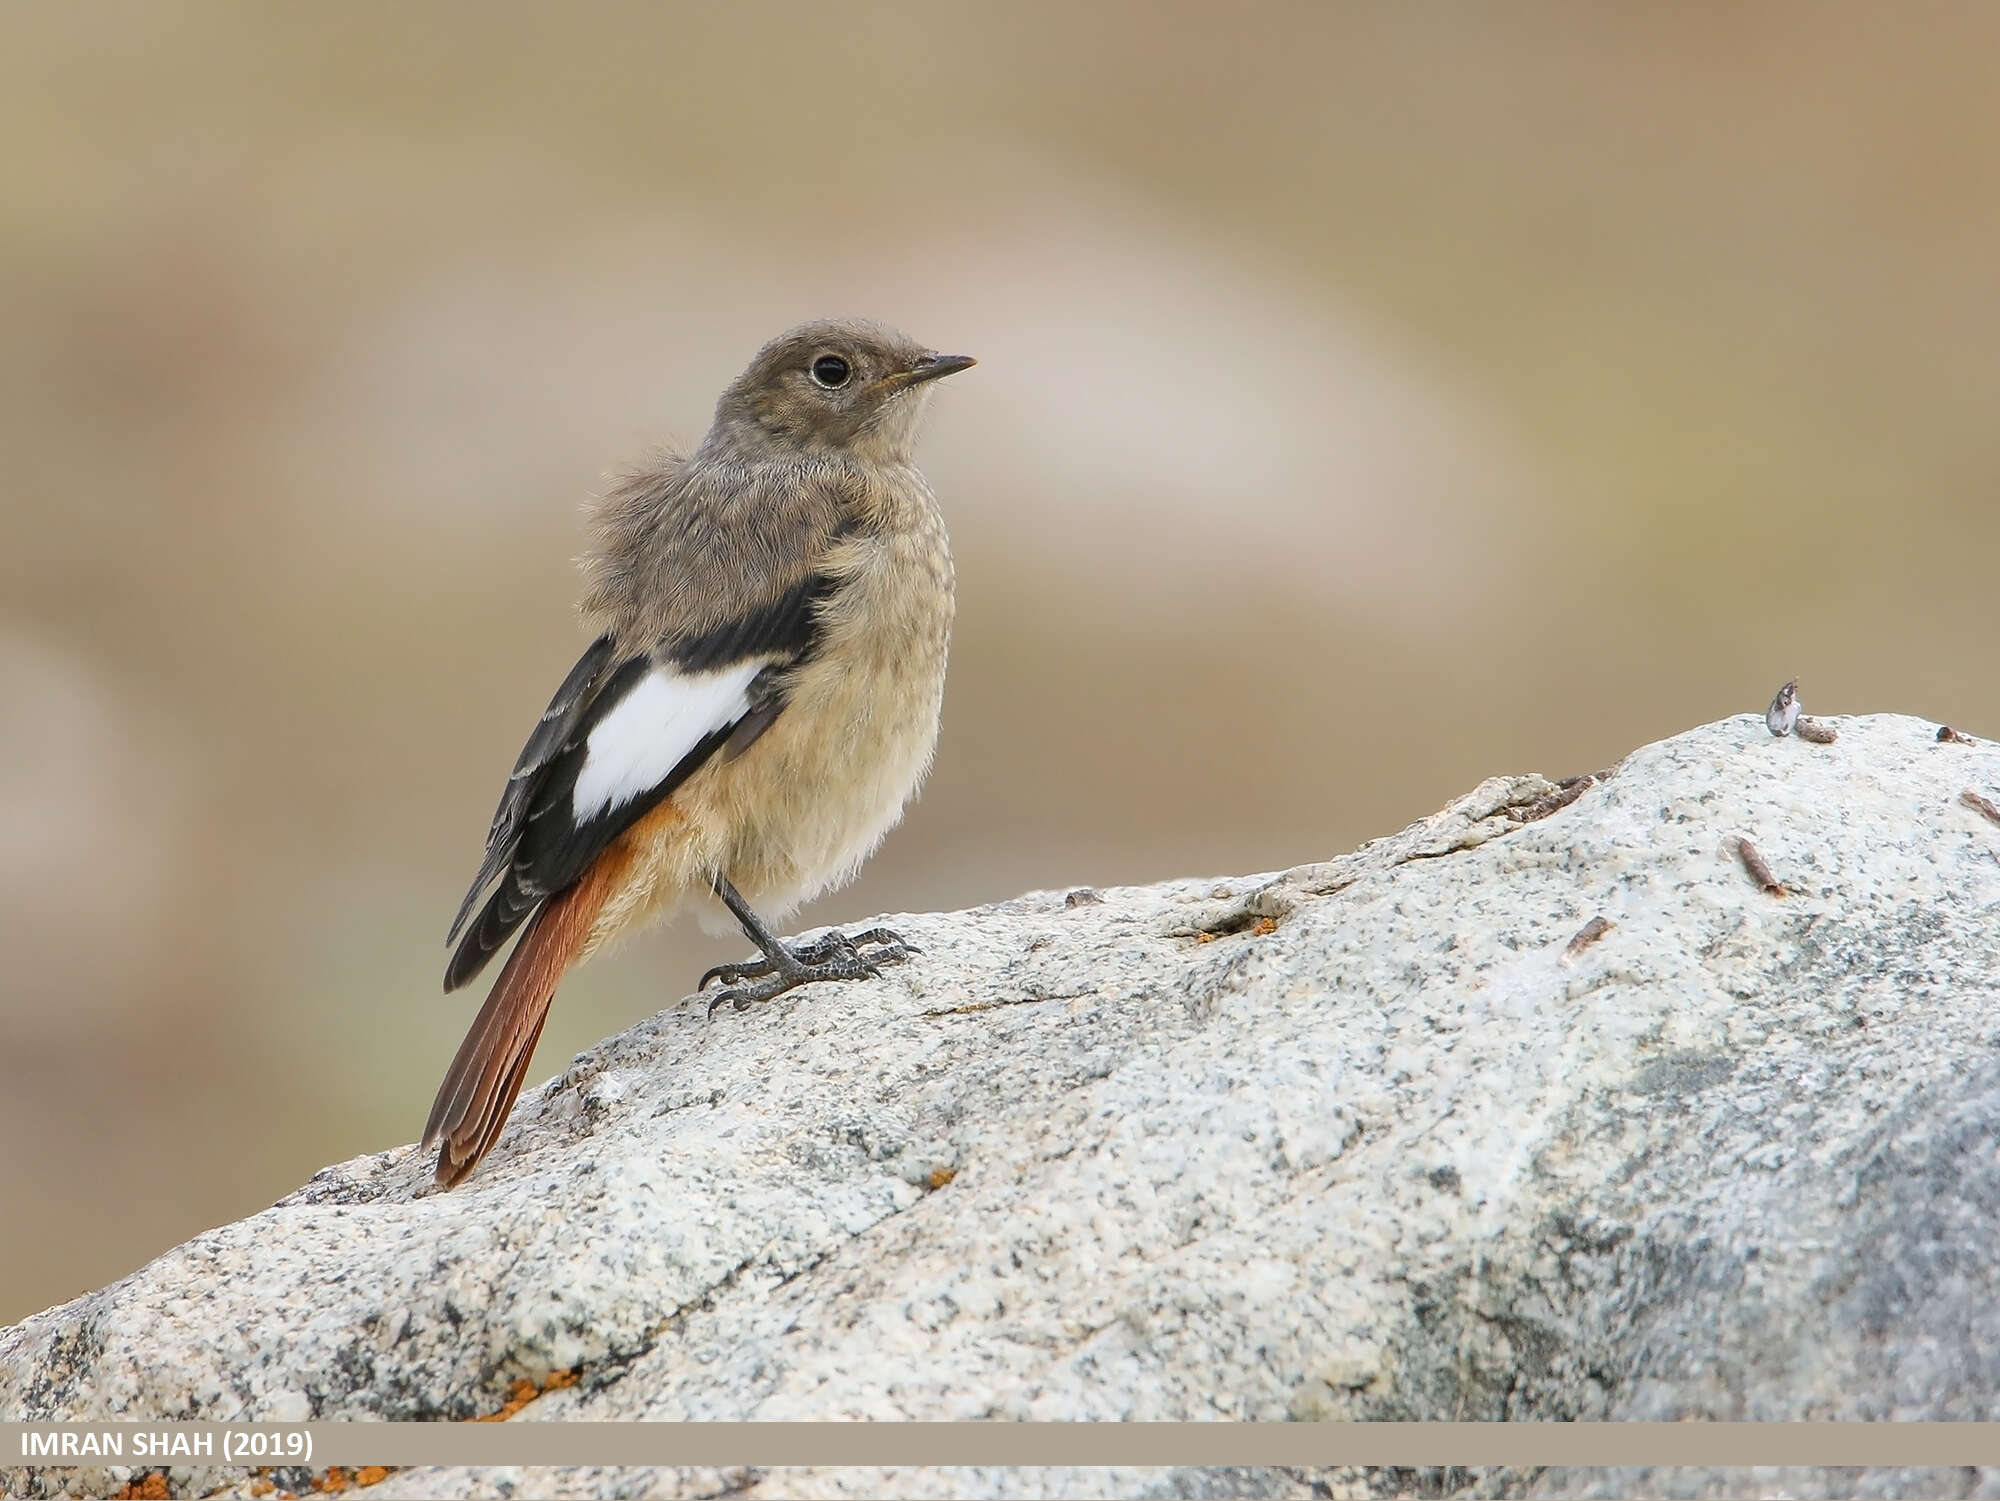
[(1371, 399)]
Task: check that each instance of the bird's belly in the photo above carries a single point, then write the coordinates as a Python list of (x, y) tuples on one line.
[(797, 813), (814, 796)]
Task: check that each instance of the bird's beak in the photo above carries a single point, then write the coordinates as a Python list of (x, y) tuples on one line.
[(930, 367)]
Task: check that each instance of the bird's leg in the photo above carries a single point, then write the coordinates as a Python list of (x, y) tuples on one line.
[(835, 956)]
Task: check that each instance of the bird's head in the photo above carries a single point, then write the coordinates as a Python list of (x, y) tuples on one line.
[(833, 385)]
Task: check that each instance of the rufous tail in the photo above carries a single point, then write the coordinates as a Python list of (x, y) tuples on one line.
[(485, 1078)]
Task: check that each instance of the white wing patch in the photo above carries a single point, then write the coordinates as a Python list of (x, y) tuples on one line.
[(644, 738)]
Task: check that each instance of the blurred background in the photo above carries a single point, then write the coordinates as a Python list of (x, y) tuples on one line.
[(1370, 400)]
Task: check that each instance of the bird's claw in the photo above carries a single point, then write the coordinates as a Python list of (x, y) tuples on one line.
[(730, 974), (835, 956)]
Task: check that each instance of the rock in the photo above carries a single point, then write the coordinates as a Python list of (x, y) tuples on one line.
[(1410, 1134)]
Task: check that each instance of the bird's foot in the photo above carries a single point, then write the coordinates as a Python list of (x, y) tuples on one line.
[(826, 946), (835, 956)]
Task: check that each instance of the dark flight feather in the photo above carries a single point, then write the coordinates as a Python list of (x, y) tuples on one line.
[(550, 731)]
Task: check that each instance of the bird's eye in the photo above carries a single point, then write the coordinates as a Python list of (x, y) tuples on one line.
[(831, 371)]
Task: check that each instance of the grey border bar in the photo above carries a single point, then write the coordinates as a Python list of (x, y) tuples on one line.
[(1014, 1445)]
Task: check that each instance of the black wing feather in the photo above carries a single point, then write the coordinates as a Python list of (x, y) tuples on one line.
[(536, 847), (550, 731), (789, 627), (541, 840)]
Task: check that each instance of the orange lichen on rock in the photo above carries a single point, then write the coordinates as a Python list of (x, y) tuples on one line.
[(152, 1486), (524, 1391), (1265, 926), (338, 1479), (519, 1395)]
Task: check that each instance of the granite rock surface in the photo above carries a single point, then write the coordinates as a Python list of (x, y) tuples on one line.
[(1546, 1107)]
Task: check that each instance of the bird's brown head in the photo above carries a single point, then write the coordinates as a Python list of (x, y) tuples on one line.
[(832, 385)]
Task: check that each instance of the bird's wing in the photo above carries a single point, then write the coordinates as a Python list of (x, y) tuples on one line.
[(620, 735), (550, 731)]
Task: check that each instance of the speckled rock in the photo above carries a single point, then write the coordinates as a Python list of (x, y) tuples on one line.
[(1542, 1108)]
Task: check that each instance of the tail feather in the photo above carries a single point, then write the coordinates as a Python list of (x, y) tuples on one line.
[(485, 1077), (501, 1105)]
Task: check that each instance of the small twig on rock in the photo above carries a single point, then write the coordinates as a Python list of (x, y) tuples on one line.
[(1588, 934), (1980, 802), (1759, 871), (1567, 791)]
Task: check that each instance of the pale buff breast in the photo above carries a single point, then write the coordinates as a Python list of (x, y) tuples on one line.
[(798, 812)]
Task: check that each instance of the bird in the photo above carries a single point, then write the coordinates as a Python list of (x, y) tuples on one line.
[(760, 700)]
